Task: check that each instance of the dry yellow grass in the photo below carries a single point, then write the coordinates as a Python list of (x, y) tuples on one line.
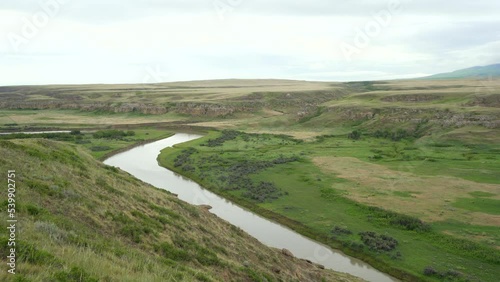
[(431, 196)]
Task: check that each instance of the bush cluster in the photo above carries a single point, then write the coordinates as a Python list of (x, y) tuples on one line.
[(236, 177), (100, 148), (378, 242), (402, 221), (355, 135), (112, 134), (226, 136), (393, 135), (184, 157), (263, 191), (54, 136), (234, 174), (337, 230), (451, 275)]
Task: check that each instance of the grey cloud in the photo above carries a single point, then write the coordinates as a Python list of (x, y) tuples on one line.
[(92, 10), (456, 36), (367, 7)]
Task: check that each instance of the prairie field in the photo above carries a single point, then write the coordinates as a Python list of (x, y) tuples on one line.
[(412, 162)]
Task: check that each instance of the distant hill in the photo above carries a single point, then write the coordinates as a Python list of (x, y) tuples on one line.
[(474, 72)]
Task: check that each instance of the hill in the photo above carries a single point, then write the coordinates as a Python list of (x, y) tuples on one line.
[(80, 220), (473, 72), (274, 105)]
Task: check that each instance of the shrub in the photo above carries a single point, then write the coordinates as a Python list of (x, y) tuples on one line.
[(378, 242), (355, 135), (184, 157), (449, 275), (430, 271), (226, 136), (394, 136), (409, 223), (341, 231), (112, 134), (100, 148), (399, 220)]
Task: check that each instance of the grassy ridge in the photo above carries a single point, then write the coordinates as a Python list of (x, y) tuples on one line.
[(85, 221), (292, 182)]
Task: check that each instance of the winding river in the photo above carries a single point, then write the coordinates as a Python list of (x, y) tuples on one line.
[(141, 162)]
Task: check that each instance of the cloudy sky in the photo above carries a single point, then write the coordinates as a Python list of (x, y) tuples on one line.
[(125, 41)]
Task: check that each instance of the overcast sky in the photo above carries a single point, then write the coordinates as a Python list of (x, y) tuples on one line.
[(125, 41)]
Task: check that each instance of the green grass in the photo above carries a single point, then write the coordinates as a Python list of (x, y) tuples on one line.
[(84, 221), (449, 154), (488, 234), (480, 194), (314, 202), (102, 146), (491, 206)]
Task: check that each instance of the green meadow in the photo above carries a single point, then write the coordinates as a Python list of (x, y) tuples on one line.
[(320, 189)]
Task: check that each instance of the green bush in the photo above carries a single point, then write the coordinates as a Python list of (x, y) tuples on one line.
[(378, 242), (398, 220), (100, 148), (449, 275), (355, 135), (337, 230), (226, 136), (112, 134)]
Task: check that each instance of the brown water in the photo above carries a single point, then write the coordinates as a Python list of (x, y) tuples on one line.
[(141, 162)]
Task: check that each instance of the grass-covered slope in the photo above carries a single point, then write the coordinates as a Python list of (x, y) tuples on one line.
[(79, 220)]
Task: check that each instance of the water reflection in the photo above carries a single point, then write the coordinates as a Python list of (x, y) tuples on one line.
[(141, 162)]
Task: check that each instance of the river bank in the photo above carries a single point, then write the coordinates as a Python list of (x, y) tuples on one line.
[(141, 162)]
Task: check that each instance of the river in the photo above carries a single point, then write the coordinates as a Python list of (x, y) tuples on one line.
[(141, 162)]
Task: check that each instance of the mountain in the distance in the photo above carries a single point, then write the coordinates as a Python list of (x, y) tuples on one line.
[(473, 72)]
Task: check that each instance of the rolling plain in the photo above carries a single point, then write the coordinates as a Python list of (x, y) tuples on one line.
[(403, 174)]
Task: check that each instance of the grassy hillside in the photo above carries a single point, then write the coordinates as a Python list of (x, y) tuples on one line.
[(439, 201), (79, 220)]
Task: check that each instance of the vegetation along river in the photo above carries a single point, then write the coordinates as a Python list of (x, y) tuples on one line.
[(141, 162)]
